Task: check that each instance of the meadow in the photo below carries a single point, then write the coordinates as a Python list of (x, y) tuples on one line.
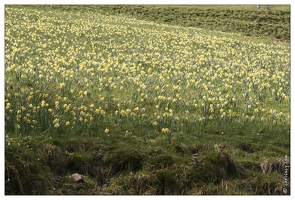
[(272, 21), (141, 107)]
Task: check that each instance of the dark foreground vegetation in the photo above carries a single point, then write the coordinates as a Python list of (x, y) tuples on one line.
[(210, 163)]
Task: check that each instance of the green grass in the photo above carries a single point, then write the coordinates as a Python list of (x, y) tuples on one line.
[(127, 164), (272, 22), (143, 106)]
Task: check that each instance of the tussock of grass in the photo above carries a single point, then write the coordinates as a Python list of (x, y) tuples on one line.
[(177, 168)]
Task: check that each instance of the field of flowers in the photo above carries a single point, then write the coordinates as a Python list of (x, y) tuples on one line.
[(73, 72), (102, 95)]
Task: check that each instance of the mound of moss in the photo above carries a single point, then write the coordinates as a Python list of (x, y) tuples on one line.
[(43, 165)]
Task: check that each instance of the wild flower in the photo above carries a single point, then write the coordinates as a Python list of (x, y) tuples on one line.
[(165, 130), (103, 84)]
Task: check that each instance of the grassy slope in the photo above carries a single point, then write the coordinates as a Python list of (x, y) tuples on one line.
[(129, 164), (271, 23)]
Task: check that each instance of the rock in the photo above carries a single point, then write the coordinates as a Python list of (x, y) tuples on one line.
[(78, 177)]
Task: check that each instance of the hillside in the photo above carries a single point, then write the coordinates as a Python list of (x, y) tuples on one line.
[(141, 107), (267, 22)]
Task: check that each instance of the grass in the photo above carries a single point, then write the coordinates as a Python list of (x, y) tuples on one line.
[(143, 107), (122, 164), (268, 22)]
